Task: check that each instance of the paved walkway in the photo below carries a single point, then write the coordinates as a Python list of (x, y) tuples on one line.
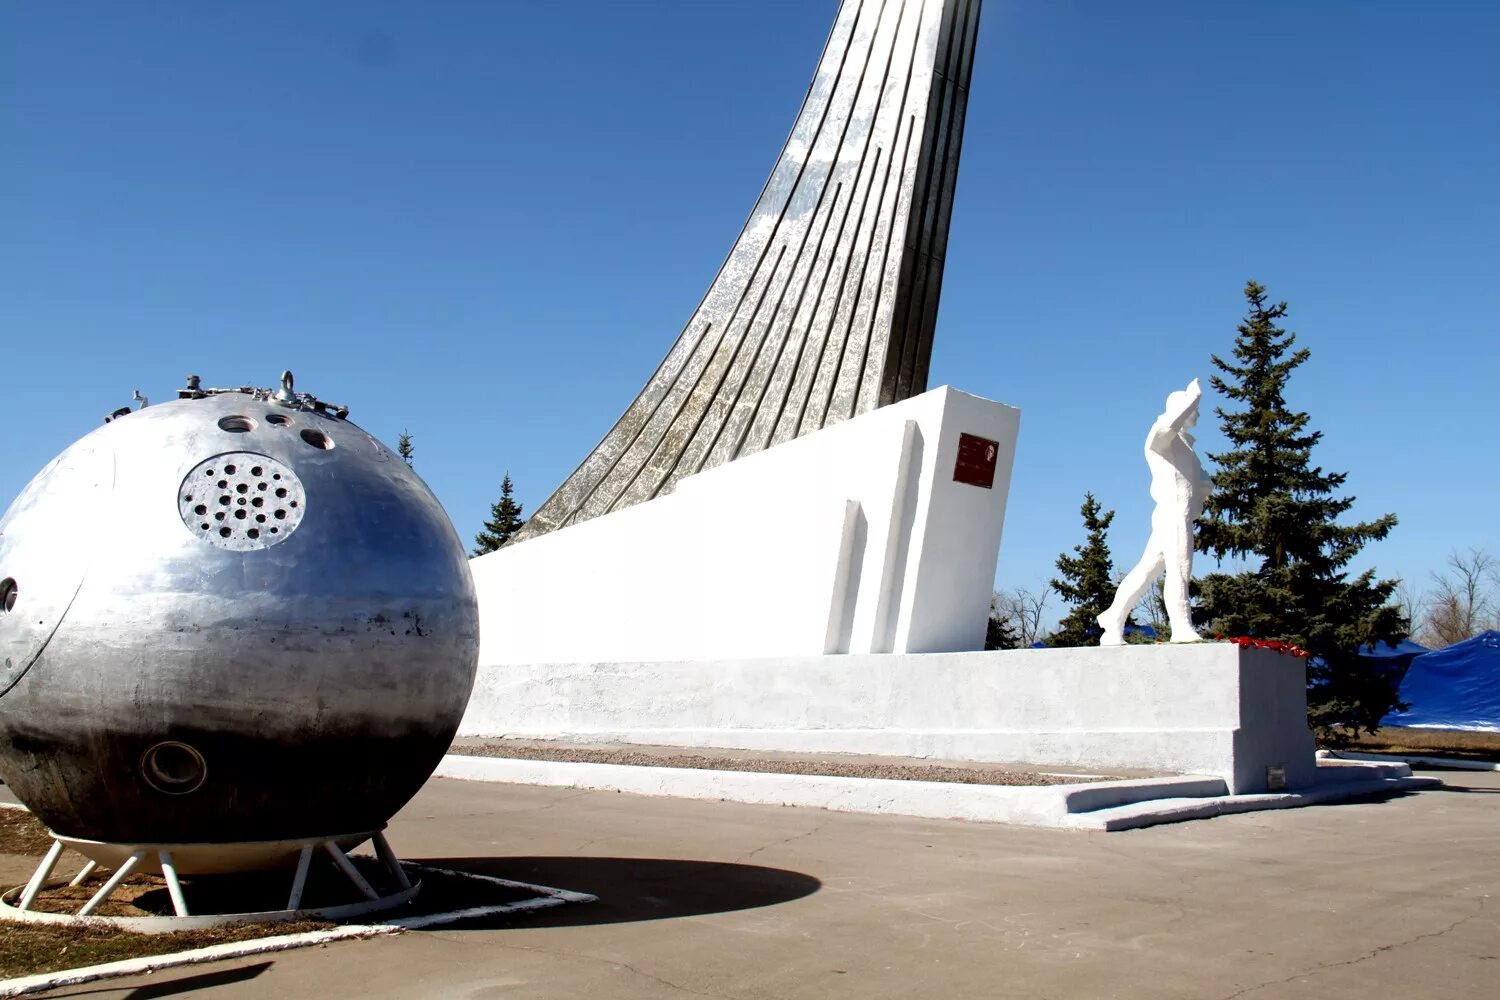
[(1392, 899)]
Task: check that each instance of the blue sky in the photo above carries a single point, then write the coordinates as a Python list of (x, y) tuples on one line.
[(486, 222)]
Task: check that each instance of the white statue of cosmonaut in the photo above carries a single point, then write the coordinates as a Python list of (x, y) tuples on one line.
[(1179, 487)]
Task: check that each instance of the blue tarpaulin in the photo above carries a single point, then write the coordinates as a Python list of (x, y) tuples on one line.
[(1457, 687), (1385, 651), (1392, 660)]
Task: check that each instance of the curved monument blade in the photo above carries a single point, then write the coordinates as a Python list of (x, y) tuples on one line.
[(825, 307)]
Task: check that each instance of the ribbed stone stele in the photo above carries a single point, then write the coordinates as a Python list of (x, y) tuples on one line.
[(825, 307)]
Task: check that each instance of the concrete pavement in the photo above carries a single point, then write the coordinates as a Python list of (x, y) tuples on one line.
[(1387, 899)]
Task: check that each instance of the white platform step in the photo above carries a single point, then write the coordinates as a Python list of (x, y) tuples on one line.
[(1176, 810), (1421, 760), (1105, 805)]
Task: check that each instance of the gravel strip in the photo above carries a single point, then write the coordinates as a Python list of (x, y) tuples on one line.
[(862, 768)]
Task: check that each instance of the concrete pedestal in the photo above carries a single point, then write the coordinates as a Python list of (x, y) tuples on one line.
[(820, 596), (1211, 708), (879, 534)]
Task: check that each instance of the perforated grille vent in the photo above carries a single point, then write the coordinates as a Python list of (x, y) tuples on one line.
[(241, 501)]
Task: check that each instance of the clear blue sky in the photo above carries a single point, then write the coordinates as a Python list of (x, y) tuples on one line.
[(485, 222)]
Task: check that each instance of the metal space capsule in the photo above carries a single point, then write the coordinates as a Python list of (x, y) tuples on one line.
[(231, 617)]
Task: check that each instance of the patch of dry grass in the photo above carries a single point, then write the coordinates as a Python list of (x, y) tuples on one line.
[(835, 766), (1431, 743), (20, 833)]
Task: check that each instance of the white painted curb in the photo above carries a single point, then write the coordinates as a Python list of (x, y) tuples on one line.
[(1028, 805), (1421, 760), (1101, 806), (546, 898), (1161, 811), (212, 953)]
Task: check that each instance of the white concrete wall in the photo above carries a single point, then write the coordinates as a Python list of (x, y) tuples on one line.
[(1205, 709), (853, 539)]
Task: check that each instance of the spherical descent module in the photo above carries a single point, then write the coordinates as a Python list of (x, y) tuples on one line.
[(232, 617)]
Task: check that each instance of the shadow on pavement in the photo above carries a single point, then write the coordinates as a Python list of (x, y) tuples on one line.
[(189, 984), (1449, 785), (631, 889), (179, 985)]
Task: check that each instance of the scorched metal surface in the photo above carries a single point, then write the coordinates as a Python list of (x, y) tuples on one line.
[(229, 618)]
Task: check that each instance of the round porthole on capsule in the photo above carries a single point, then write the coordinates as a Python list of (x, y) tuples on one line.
[(174, 768)]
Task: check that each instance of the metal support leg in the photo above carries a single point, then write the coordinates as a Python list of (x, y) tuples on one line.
[(299, 881), (84, 872), (114, 880), (347, 867), (388, 858), (43, 871), (174, 887)]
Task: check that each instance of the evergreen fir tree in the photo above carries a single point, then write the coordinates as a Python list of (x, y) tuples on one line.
[(1087, 580), (999, 634), (1270, 505), (505, 521), (404, 447)]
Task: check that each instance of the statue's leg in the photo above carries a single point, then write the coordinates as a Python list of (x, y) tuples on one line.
[(1179, 562), (1131, 590)]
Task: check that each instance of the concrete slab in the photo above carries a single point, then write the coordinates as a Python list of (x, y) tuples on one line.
[(1392, 898), (1194, 708), (1032, 805), (1088, 805)]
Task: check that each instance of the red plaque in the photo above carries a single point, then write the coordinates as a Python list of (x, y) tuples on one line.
[(976, 461)]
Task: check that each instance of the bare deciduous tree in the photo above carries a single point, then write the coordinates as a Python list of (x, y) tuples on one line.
[(1412, 601), (1151, 609), (1021, 610), (1463, 601)]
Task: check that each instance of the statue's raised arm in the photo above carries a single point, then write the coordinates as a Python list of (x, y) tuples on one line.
[(1182, 407), (1179, 415)]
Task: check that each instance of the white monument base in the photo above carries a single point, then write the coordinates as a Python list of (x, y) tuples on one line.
[(868, 536), (1207, 709), (711, 617)]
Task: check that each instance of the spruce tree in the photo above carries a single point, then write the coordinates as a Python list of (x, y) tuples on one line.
[(404, 447), (1000, 633), (505, 521), (1087, 580), (1272, 507)]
